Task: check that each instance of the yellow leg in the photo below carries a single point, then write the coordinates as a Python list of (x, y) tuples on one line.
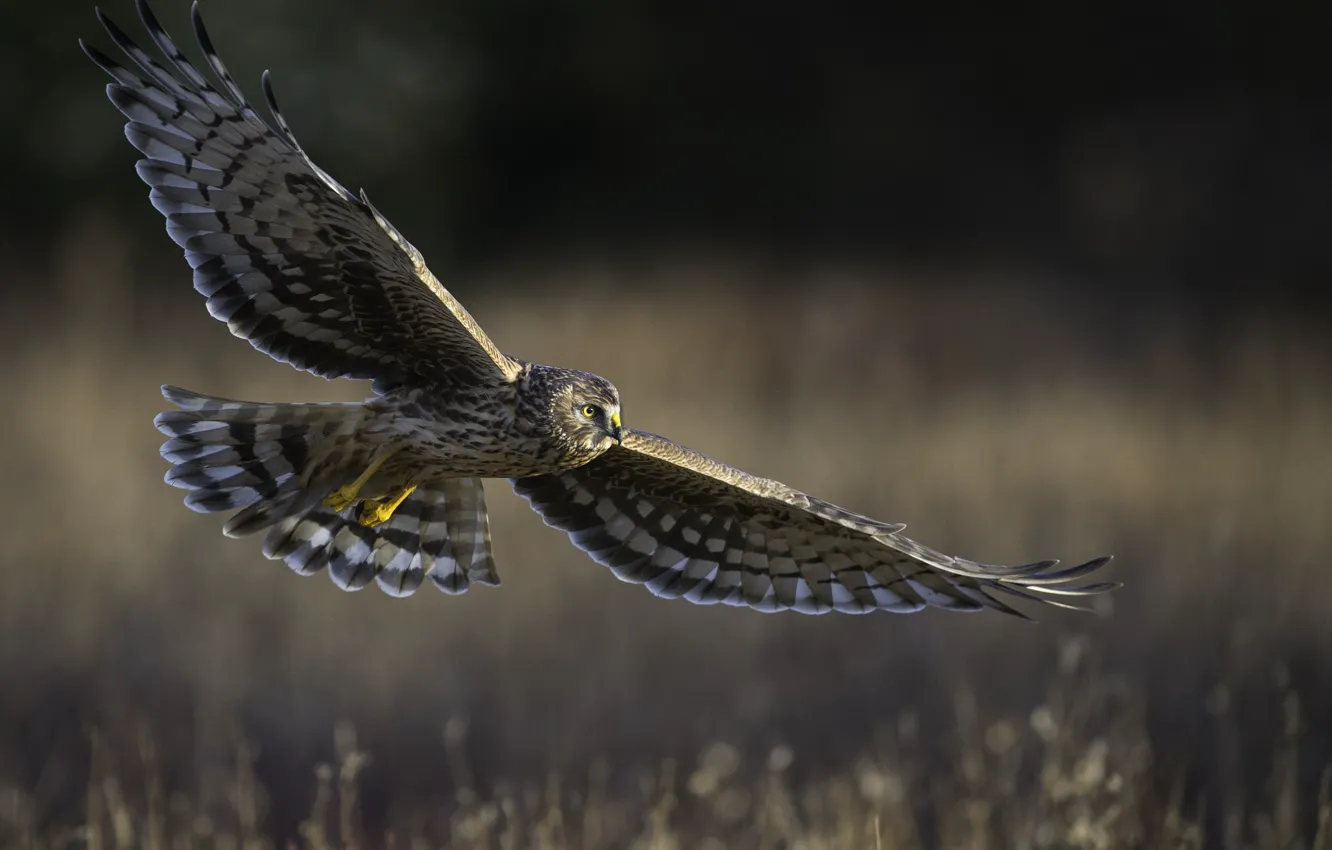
[(340, 498), (374, 512)]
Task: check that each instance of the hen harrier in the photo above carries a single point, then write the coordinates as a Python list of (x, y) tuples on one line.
[(390, 489)]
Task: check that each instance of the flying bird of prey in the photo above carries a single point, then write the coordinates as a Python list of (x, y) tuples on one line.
[(390, 490)]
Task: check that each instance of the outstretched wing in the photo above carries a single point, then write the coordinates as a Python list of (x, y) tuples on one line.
[(309, 273), (688, 526)]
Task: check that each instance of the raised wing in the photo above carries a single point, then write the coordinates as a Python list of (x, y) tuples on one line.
[(688, 526), (309, 273)]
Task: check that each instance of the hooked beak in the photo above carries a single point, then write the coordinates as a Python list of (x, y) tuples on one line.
[(617, 430)]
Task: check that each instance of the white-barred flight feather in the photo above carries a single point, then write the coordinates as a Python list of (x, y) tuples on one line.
[(687, 526), (252, 211)]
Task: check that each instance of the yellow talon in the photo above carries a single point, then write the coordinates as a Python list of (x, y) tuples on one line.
[(374, 512), (340, 499), (344, 496)]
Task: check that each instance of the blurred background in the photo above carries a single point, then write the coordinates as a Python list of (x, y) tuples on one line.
[(1045, 283)]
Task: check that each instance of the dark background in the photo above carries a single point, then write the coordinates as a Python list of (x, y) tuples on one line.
[(1140, 145), (1037, 281)]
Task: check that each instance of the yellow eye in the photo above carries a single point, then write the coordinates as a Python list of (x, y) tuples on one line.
[(590, 411)]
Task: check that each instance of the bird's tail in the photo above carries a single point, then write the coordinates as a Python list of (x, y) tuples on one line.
[(256, 458), (265, 462)]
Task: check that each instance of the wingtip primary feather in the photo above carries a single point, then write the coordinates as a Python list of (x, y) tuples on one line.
[(1080, 590), (1040, 587), (231, 90), (113, 29), (177, 57), (1045, 577), (1023, 593), (270, 98), (152, 24), (100, 59)]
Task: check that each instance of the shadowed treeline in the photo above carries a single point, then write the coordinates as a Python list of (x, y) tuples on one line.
[(1112, 142)]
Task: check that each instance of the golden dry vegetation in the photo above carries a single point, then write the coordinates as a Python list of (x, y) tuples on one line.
[(165, 687)]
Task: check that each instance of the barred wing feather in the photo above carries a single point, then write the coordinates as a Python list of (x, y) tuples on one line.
[(685, 525), (292, 261), (440, 534)]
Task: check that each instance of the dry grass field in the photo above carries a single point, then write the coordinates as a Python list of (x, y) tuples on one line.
[(164, 687)]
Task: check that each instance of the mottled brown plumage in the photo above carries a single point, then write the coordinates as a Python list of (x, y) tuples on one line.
[(390, 490)]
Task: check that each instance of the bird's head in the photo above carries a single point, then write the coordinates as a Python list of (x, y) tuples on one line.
[(588, 408)]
